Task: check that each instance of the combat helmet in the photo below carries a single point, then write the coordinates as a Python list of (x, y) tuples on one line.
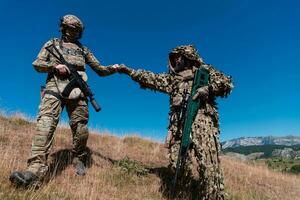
[(73, 22), (189, 52)]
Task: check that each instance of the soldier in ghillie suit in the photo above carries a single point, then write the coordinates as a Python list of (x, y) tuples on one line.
[(203, 154), (52, 102)]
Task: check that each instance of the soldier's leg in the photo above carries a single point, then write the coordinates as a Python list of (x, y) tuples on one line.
[(205, 137), (50, 110), (173, 156), (183, 185), (78, 114), (174, 147)]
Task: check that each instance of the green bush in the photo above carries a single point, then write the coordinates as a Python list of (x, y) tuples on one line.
[(132, 167), (295, 169)]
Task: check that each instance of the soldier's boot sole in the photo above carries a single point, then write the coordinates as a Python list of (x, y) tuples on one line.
[(25, 179), (18, 179), (80, 169)]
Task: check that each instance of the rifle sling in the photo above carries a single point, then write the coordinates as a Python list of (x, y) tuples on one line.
[(68, 89)]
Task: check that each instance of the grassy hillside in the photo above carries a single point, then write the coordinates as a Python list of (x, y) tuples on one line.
[(122, 168)]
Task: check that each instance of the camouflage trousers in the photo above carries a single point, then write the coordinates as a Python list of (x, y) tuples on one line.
[(48, 118), (203, 162)]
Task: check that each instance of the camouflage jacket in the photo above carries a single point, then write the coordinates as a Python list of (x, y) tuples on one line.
[(175, 85), (75, 54)]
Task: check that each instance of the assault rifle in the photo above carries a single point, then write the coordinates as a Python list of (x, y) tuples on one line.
[(200, 79), (75, 79)]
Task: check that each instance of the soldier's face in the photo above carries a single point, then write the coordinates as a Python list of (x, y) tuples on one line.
[(72, 33), (179, 63)]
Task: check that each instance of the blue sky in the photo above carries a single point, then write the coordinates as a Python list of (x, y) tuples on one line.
[(256, 42)]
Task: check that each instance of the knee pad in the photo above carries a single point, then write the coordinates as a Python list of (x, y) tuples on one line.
[(45, 127), (82, 132), (45, 123)]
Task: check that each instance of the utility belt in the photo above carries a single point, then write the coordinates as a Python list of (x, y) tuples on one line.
[(51, 93), (57, 95)]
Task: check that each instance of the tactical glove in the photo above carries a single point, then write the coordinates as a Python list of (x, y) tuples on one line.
[(201, 93)]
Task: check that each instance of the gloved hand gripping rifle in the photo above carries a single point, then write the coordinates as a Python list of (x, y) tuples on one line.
[(75, 78)]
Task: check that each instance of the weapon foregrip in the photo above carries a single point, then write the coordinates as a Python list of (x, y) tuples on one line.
[(95, 105)]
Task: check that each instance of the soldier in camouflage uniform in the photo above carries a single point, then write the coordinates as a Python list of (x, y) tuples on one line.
[(52, 102), (205, 148)]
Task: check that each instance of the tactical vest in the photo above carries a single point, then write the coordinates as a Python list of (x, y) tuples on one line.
[(74, 55)]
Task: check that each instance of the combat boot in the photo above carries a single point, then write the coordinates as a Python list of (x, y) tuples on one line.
[(79, 166), (24, 179)]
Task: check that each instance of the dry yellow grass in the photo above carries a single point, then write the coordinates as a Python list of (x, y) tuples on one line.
[(255, 181), (106, 181)]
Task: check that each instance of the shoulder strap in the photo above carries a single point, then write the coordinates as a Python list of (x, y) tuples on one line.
[(81, 47)]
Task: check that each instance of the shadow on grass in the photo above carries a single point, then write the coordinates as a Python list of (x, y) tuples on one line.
[(110, 160), (186, 188), (61, 159)]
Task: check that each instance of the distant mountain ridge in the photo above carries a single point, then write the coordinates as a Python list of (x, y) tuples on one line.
[(254, 141)]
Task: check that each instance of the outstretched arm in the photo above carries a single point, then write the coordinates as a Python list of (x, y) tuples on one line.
[(101, 70), (147, 79)]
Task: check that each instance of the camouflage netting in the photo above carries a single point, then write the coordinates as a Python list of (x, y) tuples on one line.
[(203, 160)]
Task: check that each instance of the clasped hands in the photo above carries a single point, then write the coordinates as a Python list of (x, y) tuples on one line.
[(121, 69)]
